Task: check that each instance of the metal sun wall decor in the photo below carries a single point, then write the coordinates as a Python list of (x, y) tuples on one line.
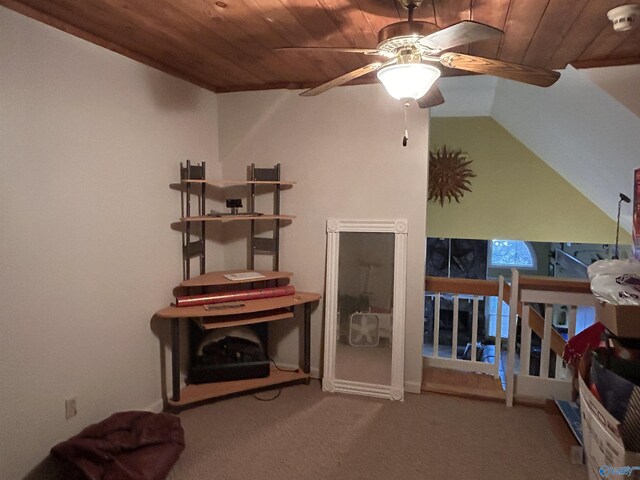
[(449, 175)]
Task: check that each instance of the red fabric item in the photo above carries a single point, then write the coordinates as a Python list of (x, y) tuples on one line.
[(234, 296), (585, 341), (126, 446)]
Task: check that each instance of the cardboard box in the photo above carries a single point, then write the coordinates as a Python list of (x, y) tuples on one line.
[(621, 320), (605, 454)]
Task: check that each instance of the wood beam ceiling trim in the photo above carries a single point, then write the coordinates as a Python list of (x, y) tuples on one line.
[(609, 62)]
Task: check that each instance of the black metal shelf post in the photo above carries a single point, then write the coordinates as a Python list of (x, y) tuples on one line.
[(190, 249), (265, 245)]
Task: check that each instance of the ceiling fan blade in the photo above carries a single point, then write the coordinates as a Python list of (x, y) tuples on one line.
[(512, 71), (347, 77), (432, 98), (365, 51), (459, 34)]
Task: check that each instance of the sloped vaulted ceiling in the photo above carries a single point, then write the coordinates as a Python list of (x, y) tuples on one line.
[(586, 126), (580, 130)]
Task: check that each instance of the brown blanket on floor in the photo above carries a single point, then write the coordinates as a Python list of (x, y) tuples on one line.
[(126, 446)]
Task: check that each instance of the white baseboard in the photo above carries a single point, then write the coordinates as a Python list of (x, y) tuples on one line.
[(412, 387), (155, 407)]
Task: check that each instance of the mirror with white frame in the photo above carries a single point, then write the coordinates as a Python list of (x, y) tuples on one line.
[(365, 305)]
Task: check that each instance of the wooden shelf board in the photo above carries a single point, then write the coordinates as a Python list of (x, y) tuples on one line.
[(230, 183), (234, 218), (246, 319), (218, 278), (249, 306), (204, 391)]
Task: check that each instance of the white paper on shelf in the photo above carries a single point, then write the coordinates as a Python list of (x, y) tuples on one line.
[(243, 276)]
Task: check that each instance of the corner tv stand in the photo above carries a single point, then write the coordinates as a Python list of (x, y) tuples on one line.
[(247, 312)]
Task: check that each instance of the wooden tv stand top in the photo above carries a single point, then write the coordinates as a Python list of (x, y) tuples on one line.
[(248, 306)]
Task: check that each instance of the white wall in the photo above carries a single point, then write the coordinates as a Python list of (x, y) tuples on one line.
[(89, 143), (466, 96), (344, 148), (580, 131), (620, 82)]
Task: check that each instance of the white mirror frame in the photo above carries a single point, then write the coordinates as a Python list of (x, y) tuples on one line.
[(394, 391)]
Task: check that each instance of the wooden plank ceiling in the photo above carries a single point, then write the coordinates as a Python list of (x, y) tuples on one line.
[(227, 45)]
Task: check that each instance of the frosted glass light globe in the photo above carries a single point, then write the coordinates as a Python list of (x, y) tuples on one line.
[(408, 80)]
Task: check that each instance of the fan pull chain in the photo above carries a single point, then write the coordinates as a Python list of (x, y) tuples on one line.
[(405, 139)]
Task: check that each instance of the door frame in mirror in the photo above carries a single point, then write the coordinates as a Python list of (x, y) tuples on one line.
[(399, 227)]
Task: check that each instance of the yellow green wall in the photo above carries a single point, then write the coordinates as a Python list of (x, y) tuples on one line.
[(514, 195)]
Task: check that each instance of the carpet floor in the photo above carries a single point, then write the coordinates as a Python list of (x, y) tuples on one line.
[(306, 433)]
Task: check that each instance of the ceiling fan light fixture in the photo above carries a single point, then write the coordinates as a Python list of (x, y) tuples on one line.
[(408, 80)]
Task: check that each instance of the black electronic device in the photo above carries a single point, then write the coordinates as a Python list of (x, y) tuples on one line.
[(234, 204), (229, 358)]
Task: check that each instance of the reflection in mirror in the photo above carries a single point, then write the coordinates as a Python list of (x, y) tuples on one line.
[(365, 307)]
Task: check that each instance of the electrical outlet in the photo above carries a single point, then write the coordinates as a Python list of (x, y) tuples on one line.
[(70, 407)]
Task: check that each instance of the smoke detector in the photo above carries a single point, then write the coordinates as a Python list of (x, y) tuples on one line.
[(624, 17)]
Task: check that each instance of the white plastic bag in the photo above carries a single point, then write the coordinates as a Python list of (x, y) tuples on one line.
[(616, 281)]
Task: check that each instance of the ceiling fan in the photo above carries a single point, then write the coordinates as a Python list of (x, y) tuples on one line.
[(409, 47)]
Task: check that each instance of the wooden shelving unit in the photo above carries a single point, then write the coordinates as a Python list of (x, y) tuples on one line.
[(212, 323), (249, 306), (219, 279), (236, 218), (234, 183), (246, 312), (191, 394)]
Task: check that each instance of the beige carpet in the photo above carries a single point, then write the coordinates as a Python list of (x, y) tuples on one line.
[(309, 434)]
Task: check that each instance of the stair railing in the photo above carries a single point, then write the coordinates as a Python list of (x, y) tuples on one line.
[(538, 305), (467, 293)]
